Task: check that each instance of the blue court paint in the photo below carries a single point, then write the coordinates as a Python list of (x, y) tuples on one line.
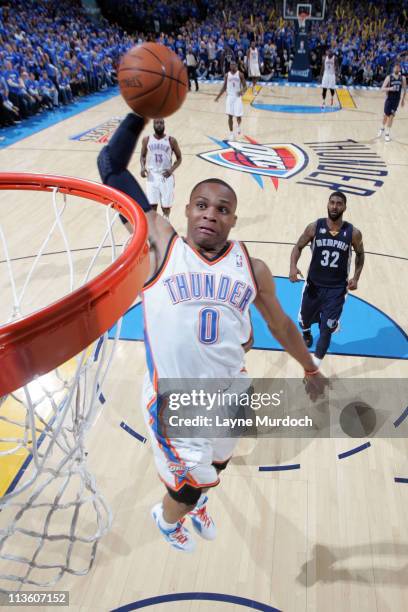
[(402, 480), (132, 432), (232, 599), (365, 330), (36, 124), (355, 450), (401, 418), (278, 468), (295, 108)]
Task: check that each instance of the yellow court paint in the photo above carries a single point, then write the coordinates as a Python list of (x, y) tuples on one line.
[(345, 98), (250, 94)]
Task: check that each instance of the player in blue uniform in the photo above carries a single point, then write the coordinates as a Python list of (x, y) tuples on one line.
[(327, 283), (395, 84)]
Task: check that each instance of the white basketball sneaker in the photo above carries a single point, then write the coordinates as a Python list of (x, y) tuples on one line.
[(380, 133), (387, 137), (179, 537), (202, 522), (231, 136)]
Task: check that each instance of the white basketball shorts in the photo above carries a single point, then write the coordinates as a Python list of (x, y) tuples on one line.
[(329, 81), (181, 461), (253, 70), (234, 106), (160, 190)]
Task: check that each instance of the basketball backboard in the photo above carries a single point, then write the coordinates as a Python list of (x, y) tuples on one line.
[(314, 9)]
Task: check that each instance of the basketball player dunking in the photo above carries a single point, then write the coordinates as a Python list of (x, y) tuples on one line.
[(327, 281), (394, 85), (196, 316), (329, 77), (235, 86), (156, 164)]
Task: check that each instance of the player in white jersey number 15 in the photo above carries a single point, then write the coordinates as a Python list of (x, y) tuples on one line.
[(196, 315)]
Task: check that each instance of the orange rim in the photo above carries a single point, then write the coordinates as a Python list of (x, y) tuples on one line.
[(43, 340)]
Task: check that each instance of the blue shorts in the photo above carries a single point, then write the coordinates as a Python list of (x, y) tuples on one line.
[(322, 305), (390, 107)]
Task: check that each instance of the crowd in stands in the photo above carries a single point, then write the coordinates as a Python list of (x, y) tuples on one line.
[(51, 52)]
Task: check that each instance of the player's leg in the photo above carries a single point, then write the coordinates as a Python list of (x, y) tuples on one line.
[(231, 126), (167, 195), (309, 312), (332, 306), (238, 112), (115, 156), (388, 125), (324, 94), (332, 92), (382, 127), (153, 191)]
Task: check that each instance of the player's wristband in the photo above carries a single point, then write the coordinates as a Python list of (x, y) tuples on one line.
[(312, 373)]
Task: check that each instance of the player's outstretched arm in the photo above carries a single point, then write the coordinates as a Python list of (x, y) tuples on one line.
[(280, 325), (112, 165), (304, 239), (243, 83), (357, 244), (224, 87), (283, 328)]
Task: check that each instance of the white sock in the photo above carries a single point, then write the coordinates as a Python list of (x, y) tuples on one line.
[(164, 524), (382, 128), (316, 361), (387, 131)]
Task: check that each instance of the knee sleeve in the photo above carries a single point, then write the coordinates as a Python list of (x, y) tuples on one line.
[(187, 495), (220, 465)]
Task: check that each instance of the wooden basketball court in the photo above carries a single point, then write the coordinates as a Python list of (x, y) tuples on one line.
[(331, 534)]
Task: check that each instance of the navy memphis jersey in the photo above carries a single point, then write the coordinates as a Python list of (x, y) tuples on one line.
[(396, 84), (331, 255)]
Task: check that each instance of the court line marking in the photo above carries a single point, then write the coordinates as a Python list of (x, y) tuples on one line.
[(132, 432), (355, 450), (277, 242), (401, 418), (278, 468), (197, 596)]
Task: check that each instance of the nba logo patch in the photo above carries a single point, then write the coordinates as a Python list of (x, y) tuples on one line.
[(322, 230), (238, 260)]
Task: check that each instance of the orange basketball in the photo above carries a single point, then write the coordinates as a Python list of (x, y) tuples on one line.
[(152, 80)]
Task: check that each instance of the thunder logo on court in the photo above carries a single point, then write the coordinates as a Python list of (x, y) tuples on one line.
[(276, 161)]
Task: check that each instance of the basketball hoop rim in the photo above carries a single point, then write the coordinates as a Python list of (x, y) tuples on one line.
[(38, 343)]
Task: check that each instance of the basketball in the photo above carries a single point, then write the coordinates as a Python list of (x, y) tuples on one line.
[(152, 80)]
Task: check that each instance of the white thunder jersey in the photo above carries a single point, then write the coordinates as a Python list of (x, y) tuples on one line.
[(233, 84), (196, 313), (159, 154), (329, 67)]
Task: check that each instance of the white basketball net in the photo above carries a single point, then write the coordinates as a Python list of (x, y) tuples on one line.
[(52, 516)]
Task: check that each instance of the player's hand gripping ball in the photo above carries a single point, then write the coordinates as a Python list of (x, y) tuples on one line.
[(152, 80)]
